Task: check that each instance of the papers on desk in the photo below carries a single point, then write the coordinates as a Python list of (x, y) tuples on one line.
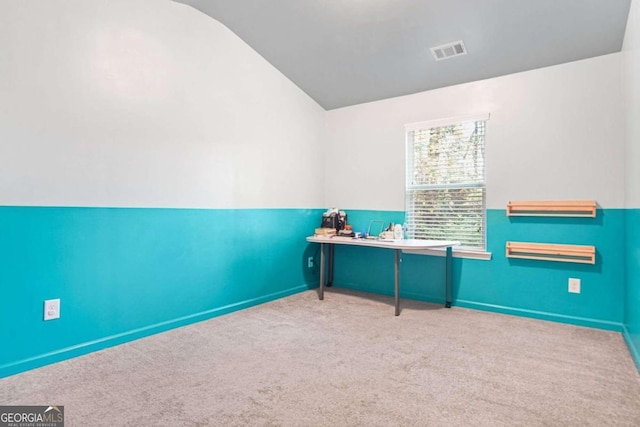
[(325, 232)]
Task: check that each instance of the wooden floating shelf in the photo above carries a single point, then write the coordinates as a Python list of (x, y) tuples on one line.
[(552, 252), (568, 208)]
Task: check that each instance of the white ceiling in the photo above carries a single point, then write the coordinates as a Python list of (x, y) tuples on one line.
[(346, 52)]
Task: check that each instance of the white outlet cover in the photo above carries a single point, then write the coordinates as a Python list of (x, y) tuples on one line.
[(574, 286), (52, 309)]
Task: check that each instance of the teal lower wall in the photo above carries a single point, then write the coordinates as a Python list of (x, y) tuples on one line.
[(122, 274), (632, 291), (126, 273), (516, 286)]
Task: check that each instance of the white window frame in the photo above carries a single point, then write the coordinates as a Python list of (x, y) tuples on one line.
[(477, 253)]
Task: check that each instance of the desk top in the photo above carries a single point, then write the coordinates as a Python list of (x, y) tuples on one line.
[(405, 244)]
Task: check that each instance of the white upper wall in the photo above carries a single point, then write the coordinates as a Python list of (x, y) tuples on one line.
[(554, 134), (147, 103), (631, 55), (151, 103)]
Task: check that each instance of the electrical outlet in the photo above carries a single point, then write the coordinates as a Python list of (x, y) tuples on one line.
[(574, 286), (52, 309), (310, 262)]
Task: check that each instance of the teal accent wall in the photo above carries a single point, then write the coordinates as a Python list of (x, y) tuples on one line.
[(515, 286), (632, 290), (123, 273)]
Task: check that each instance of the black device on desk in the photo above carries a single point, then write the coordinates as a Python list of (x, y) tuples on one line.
[(334, 219)]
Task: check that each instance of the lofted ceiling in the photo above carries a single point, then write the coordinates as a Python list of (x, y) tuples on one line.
[(346, 52)]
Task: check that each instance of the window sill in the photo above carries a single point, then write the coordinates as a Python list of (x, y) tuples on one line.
[(457, 253)]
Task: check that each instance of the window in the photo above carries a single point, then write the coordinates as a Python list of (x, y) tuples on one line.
[(445, 187)]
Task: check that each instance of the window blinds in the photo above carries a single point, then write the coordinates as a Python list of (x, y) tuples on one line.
[(445, 185)]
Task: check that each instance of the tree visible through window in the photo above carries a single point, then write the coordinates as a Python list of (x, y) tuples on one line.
[(445, 188)]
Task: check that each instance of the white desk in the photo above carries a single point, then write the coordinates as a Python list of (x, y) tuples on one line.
[(397, 246)]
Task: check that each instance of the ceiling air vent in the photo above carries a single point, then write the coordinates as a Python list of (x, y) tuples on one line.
[(449, 50)]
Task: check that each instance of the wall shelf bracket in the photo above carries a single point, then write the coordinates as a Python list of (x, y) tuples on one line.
[(568, 208), (552, 252)]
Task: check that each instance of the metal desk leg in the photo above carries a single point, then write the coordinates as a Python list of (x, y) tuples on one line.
[(397, 281), (330, 275), (448, 274), (321, 293)]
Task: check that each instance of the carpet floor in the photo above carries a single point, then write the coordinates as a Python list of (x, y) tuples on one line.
[(347, 361)]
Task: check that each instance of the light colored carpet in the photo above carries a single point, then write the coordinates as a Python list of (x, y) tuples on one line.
[(347, 361)]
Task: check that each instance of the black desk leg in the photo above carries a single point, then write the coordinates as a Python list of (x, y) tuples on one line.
[(448, 274), (397, 281), (321, 293), (330, 278)]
